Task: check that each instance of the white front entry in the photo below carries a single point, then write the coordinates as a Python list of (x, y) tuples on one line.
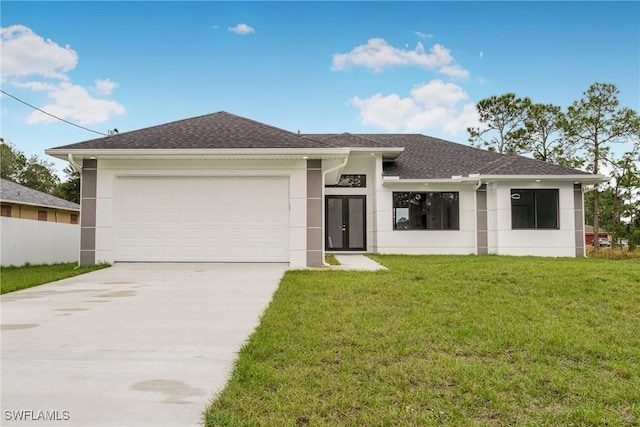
[(202, 219)]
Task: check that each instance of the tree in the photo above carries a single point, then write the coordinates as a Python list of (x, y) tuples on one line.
[(544, 136), (504, 124), (593, 123), (39, 175), (69, 189), (626, 185), (12, 161), (34, 173)]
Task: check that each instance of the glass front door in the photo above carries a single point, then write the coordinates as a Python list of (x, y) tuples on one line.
[(346, 223)]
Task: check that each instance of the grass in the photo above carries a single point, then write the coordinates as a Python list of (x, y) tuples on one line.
[(444, 340), (16, 278), (331, 259), (613, 253)]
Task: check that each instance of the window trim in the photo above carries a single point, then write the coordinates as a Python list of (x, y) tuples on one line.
[(536, 211), (423, 194)]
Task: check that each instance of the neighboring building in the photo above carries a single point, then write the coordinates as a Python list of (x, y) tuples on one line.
[(18, 201), (222, 188), (589, 234)]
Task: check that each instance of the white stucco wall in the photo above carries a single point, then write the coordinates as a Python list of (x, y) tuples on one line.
[(359, 165), (415, 242), (110, 170), (505, 241)]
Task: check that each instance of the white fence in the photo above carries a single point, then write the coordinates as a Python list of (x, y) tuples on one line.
[(37, 242)]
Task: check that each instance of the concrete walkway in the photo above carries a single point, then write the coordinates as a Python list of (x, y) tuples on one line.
[(131, 345), (356, 262)]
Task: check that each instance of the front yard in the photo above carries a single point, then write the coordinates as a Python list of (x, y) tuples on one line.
[(26, 276), (445, 340)]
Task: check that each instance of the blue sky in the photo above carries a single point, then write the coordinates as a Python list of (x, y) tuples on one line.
[(309, 66)]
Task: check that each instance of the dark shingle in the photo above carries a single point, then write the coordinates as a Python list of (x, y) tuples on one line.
[(347, 140), (423, 157), (217, 130), (12, 192)]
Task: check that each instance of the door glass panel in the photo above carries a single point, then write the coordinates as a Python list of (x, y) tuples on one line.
[(334, 223), (356, 223)]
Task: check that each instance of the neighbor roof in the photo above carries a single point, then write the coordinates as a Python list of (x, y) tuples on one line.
[(423, 157), (16, 193)]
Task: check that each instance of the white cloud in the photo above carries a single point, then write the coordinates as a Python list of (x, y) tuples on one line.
[(437, 92), (377, 54), (481, 54), (104, 87), (26, 53), (388, 112), (434, 107), (45, 63), (74, 103), (35, 86), (423, 35), (242, 29)]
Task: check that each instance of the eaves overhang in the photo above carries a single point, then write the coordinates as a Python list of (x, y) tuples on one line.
[(39, 205), (586, 179), (208, 154), (388, 153)]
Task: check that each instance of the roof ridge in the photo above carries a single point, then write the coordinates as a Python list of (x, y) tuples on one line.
[(299, 135), (361, 135), (501, 161)]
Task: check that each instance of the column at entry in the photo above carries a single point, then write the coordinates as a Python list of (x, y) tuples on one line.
[(345, 223)]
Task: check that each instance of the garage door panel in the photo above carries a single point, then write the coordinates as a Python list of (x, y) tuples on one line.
[(202, 219)]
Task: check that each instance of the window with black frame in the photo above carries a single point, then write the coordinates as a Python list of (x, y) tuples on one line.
[(534, 209), (426, 211)]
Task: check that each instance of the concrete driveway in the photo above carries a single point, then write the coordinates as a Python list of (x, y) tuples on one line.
[(131, 345)]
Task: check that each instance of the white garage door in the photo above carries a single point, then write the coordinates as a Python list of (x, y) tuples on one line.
[(202, 219)]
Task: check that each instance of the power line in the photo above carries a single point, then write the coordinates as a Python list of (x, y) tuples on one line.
[(49, 114)]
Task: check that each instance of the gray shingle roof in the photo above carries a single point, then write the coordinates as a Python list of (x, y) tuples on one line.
[(348, 140), (12, 192), (423, 157), (217, 130)]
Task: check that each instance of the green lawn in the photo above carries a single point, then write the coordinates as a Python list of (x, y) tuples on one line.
[(16, 278), (444, 340)]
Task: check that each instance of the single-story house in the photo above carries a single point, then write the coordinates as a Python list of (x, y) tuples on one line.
[(18, 201), (589, 234), (223, 188)]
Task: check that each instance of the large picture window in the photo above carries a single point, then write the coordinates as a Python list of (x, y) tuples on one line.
[(534, 209), (426, 211)]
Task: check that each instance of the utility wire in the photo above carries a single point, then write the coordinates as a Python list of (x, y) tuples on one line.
[(49, 114)]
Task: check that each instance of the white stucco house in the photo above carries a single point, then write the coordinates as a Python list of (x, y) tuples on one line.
[(222, 188)]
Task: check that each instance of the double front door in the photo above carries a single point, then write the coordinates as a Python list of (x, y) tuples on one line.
[(346, 228)]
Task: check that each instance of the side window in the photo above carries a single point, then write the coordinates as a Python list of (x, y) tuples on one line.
[(42, 215), (5, 210), (74, 218), (534, 209)]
